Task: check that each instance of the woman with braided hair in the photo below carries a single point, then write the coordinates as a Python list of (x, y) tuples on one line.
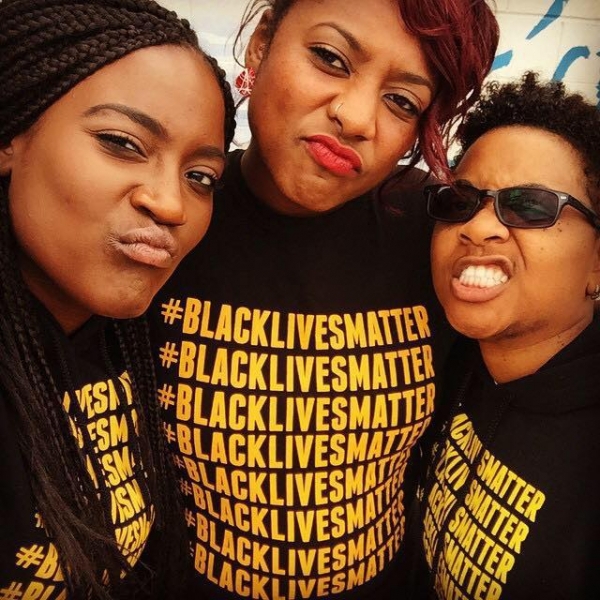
[(113, 128)]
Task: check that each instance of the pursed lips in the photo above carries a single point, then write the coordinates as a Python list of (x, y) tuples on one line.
[(151, 245), (333, 156)]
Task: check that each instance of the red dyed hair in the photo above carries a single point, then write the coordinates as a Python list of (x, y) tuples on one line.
[(459, 39)]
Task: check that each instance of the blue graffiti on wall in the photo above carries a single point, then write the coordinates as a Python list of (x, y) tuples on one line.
[(554, 11), (568, 59)]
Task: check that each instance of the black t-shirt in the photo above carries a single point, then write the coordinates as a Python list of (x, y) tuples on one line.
[(97, 395), (511, 503), (297, 361)]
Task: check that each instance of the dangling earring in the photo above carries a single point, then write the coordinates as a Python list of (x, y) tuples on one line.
[(244, 82), (595, 295)]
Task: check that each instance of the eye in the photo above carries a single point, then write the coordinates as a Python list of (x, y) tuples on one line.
[(329, 58), (403, 105), (118, 142), (527, 203), (203, 181), (463, 198)]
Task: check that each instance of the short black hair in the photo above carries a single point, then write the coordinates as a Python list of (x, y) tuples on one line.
[(530, 102)]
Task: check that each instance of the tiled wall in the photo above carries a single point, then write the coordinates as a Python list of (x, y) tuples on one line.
[(558, 38)]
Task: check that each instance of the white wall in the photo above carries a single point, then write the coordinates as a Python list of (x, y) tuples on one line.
[(558, 38)]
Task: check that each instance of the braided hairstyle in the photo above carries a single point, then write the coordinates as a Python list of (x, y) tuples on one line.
[(46, 48), (49, 46)]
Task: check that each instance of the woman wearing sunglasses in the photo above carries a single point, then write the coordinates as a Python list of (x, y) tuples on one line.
[(510, 501)]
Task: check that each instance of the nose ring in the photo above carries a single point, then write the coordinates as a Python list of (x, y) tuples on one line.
[(337, 108)]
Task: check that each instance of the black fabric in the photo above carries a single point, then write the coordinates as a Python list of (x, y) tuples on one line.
[(291, 434), (519, 515), (87, 366)]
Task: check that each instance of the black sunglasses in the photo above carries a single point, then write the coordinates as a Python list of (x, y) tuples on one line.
[(522, 207)]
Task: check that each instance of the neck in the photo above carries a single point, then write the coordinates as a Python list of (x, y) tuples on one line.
[(261, 183), (514, 358), (257, 177)]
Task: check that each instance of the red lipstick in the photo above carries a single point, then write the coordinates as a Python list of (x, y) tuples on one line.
[(331, 155)]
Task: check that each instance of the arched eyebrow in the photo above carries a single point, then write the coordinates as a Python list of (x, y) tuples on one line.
[(151, 124), (137, 116), (353, 42)]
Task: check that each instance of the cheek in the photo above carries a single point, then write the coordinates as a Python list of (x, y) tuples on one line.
[(198, 219), (442, 256), (270, 109), (34, 222), (559, 262), (395, 140), (442, 247), (49, 188)]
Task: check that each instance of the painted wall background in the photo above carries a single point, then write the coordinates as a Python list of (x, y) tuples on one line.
[(558, 38)]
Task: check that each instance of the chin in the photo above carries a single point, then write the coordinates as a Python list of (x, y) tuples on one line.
[(472, 331), (481, 328), (125, 308)]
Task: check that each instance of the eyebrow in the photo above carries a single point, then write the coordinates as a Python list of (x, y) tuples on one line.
[(146, 121), (152, 125), (207, 151), (401, 74), (518, 185)]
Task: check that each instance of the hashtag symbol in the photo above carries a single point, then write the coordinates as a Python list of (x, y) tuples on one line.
[(190, 519), (168, 355), (166, 397), (30, 556), (172, 311), (185, 486), (178, 461), (11, 593), (171, 437)]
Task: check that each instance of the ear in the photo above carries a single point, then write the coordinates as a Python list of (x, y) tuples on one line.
[(597, 262), (258, 46), (594, 278), (6, 159)]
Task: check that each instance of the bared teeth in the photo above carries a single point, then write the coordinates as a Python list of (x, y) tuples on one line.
[(482, 276)]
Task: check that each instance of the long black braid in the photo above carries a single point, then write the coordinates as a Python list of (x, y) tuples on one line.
[(46, 48)]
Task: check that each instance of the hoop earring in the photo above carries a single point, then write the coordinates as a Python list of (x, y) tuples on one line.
[(595, 295), (244, 82)]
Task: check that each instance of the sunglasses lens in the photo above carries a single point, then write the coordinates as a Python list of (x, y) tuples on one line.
[(527, 208), (451, 204)]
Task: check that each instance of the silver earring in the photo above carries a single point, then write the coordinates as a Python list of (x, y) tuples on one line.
[(595, 295)]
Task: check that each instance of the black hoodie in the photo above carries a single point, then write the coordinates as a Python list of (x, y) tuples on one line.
[(511, 505)]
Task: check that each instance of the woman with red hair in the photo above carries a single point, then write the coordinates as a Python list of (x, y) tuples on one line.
[(298, 345)]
